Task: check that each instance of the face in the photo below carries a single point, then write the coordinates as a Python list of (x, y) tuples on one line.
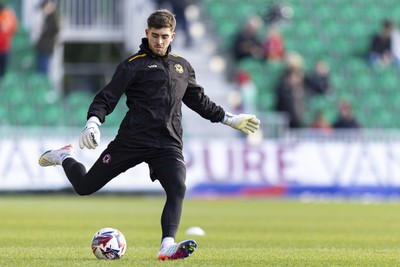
[(159, 39)]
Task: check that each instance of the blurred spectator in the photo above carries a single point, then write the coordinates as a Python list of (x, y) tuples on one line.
[(320, 122), (290, 91), (48, 36), (178, 7), (244, 98), (274, 48), (247, 43), (278, 13), (345, 117), (318, 81), (381, 47), (396, 46), (8, 27)]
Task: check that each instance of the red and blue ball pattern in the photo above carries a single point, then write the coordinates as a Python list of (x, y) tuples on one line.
[(108, 244)]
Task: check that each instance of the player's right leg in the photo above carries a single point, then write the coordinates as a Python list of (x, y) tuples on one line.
[(110, 163), (74, 170)]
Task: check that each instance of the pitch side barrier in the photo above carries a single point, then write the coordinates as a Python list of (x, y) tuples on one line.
[(304, 163)]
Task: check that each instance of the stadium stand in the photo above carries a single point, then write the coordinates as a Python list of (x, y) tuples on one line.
[(336, 31)]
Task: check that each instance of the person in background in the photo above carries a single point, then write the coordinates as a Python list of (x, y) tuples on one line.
[(48, 36), (8, 27), (395, 46), (274, 47), (320, 122), (345, 118), (290, 91), (178, 8), (380, 52), (247, 43), (278, 13), (318, 81), (244, 98)]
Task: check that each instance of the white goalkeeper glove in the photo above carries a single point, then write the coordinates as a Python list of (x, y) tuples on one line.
[(90, 136), (247, 123)]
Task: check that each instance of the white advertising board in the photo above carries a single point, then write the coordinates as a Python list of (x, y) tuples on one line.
[(304, 163)]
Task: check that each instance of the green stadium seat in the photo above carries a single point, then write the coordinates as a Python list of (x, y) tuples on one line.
[(338, 31), (26, 116), (115, 118), (52, 115), (15, 96), (39, 96), (4, 115), (78, 99), (388, 81), (266, 100), (387, 120), (10, 79), (333, 29), (77, 116)]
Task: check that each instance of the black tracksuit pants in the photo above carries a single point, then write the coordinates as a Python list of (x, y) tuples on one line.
[(165, 164)]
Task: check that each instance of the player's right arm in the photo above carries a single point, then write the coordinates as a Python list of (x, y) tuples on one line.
[(107, 98), (104, 103)]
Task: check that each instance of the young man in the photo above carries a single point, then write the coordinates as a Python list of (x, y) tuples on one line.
[(156, 82)]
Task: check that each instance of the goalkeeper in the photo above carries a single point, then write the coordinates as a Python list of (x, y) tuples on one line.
[(155, 82)]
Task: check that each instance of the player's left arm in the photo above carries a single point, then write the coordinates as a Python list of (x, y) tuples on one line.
[(197, 100), (247, 123)]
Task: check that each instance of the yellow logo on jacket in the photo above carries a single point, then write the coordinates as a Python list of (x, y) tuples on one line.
[(178, 68)]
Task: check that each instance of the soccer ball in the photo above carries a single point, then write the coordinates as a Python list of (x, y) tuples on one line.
[(108, 244)]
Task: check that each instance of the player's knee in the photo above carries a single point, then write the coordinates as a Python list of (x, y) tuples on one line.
[(180, 189), (83, 191)]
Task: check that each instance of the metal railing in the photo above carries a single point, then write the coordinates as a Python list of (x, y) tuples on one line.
[(98, 20), (102, 14)]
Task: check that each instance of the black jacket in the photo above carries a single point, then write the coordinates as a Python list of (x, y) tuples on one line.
[(155, 88)]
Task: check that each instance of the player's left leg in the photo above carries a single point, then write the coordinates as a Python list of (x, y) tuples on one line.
[(170, 170), (173, 182), (176, 251)]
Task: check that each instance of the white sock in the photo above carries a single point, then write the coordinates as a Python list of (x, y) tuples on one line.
[(65, 156), (167, 241)]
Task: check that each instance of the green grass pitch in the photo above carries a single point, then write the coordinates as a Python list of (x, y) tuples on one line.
[(56, 230)]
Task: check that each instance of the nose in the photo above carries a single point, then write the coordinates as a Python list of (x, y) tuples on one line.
[(159, 40)]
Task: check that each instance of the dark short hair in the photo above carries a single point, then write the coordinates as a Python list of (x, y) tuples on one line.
[(161, 18), (387, 23)]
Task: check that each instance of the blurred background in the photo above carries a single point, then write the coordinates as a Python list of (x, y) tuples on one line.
[(323, 76)]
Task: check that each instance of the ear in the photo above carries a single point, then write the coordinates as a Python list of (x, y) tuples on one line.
[(172, 36), (146, 31)]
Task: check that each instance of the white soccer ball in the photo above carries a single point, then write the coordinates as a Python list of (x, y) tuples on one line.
[(108, 244)]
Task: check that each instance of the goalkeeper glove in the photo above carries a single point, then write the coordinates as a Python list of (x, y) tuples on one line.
[(246, 123), (90, 136)]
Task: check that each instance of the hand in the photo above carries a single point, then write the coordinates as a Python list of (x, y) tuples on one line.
[(90, 136), (247, 123)]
